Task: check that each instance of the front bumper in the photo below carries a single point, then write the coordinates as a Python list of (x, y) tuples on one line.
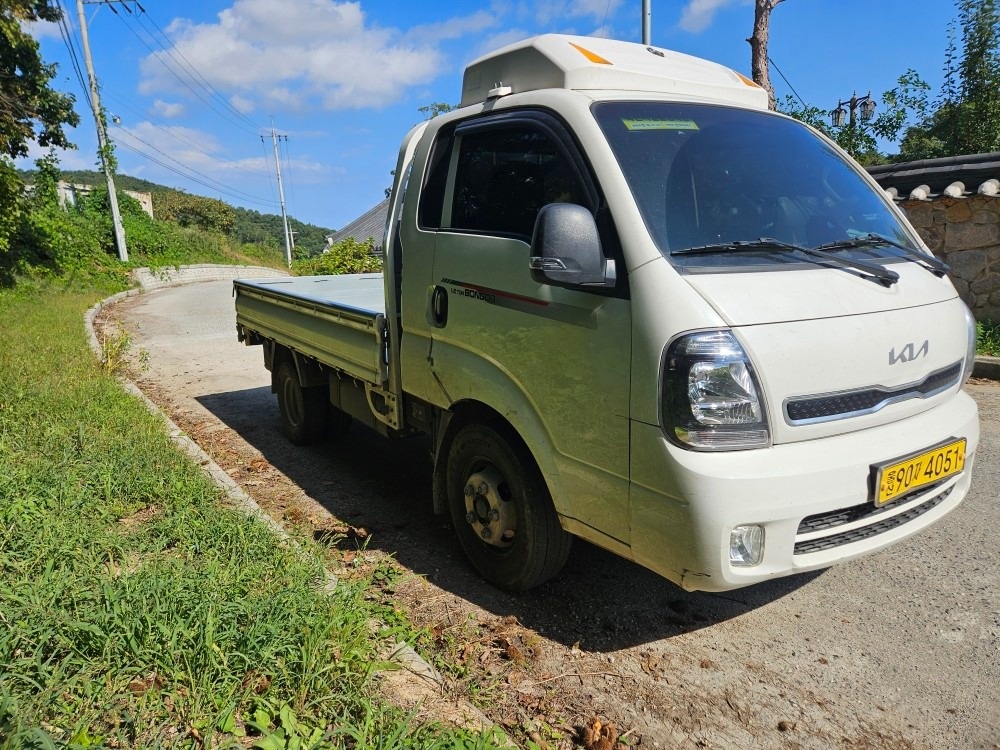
[(684, 504)]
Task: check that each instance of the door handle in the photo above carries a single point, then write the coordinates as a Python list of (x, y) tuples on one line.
[(439, 307)]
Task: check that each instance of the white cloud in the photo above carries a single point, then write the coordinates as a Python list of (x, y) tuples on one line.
[(497, 41), (547, 11), (69, 159), (201, 152), (454, 28), (168, 109), (699, 14), (310, 52), (242, 104), (43, 29)]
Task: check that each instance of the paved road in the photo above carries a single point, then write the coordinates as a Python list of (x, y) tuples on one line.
[(903, 645)]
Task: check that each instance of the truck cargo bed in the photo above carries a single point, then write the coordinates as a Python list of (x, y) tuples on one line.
[(336, 320)]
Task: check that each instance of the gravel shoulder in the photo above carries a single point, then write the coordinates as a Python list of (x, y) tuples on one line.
[(898, 650)]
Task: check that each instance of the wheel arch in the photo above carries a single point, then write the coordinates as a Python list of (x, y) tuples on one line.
[(536, 445), (309, 372)]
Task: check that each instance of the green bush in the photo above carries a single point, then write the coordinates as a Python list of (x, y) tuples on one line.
[(56, 243), (347, 256)]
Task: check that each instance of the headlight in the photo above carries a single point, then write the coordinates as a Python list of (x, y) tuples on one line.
[(970, 354), (710, 399)]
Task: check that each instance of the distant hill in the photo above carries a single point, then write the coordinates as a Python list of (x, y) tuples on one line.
[(248, 225)]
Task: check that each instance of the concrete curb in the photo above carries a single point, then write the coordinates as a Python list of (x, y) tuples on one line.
[(422, 682), (987, 367)]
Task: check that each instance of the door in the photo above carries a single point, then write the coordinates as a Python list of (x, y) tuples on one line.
[(497, 336)]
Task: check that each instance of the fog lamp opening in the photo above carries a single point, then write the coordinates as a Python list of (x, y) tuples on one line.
[(746, 546)]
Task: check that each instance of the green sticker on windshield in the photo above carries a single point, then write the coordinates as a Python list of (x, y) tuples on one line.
[(650, 124)]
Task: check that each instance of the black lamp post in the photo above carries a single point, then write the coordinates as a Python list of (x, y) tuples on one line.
[(865, 103), (867, 106)]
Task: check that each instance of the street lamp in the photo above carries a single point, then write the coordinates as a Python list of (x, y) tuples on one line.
[(865, 103)]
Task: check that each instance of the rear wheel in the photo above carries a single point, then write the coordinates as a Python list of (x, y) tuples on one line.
[(502, 511), (303, 410)]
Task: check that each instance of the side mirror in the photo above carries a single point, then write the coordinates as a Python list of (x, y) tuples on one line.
[(566, 248)]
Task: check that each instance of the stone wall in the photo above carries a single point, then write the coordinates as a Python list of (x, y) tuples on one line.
[(150, 279), (965, 234)]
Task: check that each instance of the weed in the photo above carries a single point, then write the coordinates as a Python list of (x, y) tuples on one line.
[(134, 610), (115, 345), (988, 338)]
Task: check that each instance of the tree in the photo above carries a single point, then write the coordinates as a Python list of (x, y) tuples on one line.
[(187, 210), (30, 110), (901, 106), (434, 109), (966, 119), (758, 46)]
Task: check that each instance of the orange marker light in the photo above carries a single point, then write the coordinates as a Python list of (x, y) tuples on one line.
[(590, 55)]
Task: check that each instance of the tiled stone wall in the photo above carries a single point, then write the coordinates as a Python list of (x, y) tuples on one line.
[(965, 234)]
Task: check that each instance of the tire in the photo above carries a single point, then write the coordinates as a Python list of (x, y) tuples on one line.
[(510, 532), (303, 410)]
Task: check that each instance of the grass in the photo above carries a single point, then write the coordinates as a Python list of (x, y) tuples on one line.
[(988, 338), (135, 610)]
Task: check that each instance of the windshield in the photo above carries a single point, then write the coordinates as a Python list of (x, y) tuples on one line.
[(707, 175)]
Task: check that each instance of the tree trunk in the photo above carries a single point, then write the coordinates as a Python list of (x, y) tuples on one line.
[(758, 46)]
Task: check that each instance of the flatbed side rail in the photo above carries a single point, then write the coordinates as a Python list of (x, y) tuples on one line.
[(338, 336)]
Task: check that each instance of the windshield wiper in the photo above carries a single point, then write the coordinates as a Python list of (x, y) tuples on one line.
[(932, 264), (869, 270)]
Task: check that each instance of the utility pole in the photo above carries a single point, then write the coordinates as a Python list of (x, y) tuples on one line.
[(281, 197), (102, 138), (647, 13)]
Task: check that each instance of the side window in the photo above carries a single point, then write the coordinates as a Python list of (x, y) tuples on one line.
[(432, 196), (503, 177)]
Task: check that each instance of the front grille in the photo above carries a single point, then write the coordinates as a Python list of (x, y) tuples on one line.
[(834, 518), (849, 515), (867, 400)]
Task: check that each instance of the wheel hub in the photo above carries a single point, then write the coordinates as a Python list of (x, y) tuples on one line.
[(489, 507)]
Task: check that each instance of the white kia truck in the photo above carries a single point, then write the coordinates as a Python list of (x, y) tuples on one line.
[(628, 303)]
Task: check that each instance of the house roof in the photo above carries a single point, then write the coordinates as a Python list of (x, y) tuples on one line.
[(951, 177), (370, 224)]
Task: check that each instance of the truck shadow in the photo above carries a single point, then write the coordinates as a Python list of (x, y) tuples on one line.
[(601, 600)]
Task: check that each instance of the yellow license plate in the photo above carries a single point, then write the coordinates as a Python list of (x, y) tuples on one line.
[(901, 477)]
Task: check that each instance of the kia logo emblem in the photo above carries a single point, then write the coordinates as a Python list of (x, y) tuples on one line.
[(909, 352)]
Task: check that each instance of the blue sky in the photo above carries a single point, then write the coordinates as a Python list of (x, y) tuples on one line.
[(195, 83)]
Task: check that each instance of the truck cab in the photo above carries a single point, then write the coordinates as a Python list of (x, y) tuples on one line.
[(630, 304)]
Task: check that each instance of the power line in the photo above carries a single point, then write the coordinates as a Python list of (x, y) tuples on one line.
[(787, 83), (181, 164), (191, 88), (208, 85), (208, 182), (188, 177), (67, 35), (172, 132)]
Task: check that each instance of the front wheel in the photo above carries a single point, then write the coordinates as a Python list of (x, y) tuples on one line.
[(502, 511), (303, 410)]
